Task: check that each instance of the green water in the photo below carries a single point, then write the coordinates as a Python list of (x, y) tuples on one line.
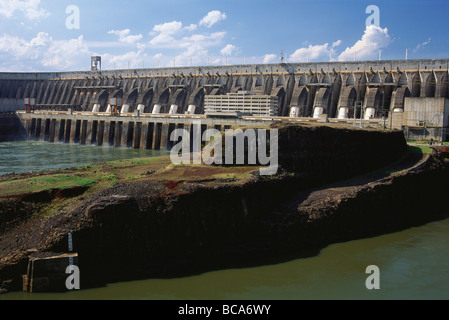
[(20, 157), (414, 264)]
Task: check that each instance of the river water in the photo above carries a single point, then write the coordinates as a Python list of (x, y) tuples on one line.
[(413, 264), (28, 156)]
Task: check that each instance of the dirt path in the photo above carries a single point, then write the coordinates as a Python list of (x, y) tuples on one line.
[(337, 190)]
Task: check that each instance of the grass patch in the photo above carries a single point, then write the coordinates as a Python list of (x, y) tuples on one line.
[(112, 178), (139, 162), (44, 183), (64, 181), (109, 177), (419, 149)]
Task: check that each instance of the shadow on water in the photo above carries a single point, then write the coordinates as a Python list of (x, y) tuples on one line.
[(412, 265)]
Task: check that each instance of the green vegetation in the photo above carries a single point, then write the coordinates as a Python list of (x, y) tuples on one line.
[(64, 181), (109, 177), (138, 162), (39, 184), (419, 149), (97, 177)]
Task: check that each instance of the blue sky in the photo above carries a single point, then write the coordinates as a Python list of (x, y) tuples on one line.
[(41, 35)]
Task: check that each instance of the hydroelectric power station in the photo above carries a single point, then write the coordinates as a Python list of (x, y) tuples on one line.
[(154, 219), (75, 107)]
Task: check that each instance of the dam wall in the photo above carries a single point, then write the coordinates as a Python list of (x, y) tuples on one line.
[(130, 130), (10, 105), (330, 88), (11, 128)]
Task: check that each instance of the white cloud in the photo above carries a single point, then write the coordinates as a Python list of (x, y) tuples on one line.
[(197, 48), (192, 27), (269, 58), (30, 8), (336, 43), (125, 36), (193, 48), (228, 50), (21, 49), (169, 41), (421, 45), (43, 51), (131, 59), (311, 52), (166, 32), (66, 54), (212, 18), (374, 39)]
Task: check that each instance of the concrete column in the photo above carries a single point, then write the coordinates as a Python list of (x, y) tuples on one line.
[(118, 134), (38, 129), (83, 132), (46, 131), (74, 131), (146, 139), (41, 135), (32, 131), (60, 130), (125, 134), (52, 130), (67, 131), (165, 139), (137, 134), (157, 136), (106, 133), (91, 137), (144, 135), (28, 125), (100, 133), (189, 128), (171, 128), (129, 135)]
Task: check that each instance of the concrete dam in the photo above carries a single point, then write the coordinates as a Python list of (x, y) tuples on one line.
[(73, 106)]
